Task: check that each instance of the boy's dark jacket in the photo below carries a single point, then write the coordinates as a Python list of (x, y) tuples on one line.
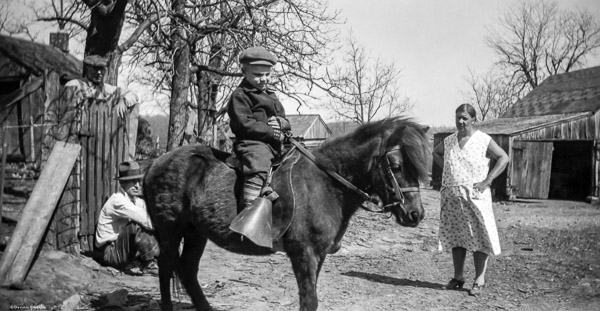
[(249, 110)]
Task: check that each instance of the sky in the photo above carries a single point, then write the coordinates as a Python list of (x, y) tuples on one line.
[(433, 42)]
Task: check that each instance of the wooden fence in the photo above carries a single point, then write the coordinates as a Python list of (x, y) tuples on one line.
[(106, 140)]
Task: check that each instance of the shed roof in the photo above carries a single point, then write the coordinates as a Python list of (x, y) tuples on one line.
[(571, 92), (37, 57), (510, 126), (302, 123)]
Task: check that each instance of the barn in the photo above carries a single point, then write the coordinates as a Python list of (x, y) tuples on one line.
[(310, 128), (552, 138)]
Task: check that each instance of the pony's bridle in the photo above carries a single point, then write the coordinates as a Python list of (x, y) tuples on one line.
[(399, 191)]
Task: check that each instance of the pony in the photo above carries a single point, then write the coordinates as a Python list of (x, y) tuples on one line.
[(190, 194)]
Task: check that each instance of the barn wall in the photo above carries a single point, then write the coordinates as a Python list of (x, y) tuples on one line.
[(436, 170), (582, 129), (24, 139), (586, 128), (500, 185), (317, 131)]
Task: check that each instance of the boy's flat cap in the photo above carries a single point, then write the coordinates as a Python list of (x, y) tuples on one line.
[(257, 55), (95, 60)]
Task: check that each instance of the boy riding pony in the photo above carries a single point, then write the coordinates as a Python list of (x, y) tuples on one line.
[(257, 118)]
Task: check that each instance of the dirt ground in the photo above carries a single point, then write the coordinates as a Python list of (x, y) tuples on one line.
[(549, 261)]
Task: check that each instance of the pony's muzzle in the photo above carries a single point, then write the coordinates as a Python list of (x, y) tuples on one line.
[(411, 216)]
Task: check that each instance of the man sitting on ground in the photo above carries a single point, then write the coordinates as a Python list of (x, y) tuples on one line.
[(124, 231)]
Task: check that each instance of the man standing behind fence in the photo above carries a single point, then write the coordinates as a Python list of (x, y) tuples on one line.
[(102, 118), (124, 232), (92, 89)]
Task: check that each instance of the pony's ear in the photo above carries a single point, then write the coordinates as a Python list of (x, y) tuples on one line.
[(425, 128)]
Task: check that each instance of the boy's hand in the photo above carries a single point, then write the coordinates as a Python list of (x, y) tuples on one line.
[(284, 124), (277, 132)]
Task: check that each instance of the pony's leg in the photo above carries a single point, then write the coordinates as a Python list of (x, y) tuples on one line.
[(307, 266), (169, 253), (187, 270)]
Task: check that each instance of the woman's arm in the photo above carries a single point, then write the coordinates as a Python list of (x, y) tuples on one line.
[(501, 161)]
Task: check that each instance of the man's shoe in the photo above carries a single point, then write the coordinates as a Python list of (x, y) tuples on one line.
[(151, 268), (135, 271)]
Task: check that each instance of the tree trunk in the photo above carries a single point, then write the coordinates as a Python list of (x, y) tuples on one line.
[(112, 72), (180, 81), (208, 87), (106, 23)]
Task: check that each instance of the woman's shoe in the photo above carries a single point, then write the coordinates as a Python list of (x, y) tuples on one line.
[(455, 284), (476, 290)]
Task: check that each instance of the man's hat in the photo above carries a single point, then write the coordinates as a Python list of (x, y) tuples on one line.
[(129, 170), (257, 55), (95, 60)]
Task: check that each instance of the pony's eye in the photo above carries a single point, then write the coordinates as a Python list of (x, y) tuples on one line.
[(394, 165)]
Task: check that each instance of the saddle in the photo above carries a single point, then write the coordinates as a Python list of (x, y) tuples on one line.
[(283, 206)]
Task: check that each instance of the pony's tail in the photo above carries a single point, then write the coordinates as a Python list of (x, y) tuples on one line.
[(176, 287)]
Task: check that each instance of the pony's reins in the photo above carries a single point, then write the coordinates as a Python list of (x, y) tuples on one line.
[(365, 196)]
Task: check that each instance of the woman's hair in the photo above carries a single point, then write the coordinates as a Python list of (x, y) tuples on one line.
[(468, 109)]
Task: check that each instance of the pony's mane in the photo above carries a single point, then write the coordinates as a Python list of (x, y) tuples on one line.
[(410, 135)]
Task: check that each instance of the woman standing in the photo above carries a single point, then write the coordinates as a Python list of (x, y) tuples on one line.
[(466, 216)]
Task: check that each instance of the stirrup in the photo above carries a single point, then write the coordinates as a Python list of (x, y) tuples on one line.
[(255, 222)]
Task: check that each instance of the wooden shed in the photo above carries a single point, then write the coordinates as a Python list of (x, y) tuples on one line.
[(310, 128), (32, 78), (30, 74), (552, 137)]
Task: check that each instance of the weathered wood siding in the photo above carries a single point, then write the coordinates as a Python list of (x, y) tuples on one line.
[(106, 140), (436, 170), (532, 164), (24, 139), (586, 128), (317, 131)]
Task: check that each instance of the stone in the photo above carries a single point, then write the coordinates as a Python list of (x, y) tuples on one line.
[(71, 304), (116, 298)]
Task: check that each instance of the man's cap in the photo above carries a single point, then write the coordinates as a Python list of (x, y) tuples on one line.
[(129, 170), (95, 60), (257, 55)]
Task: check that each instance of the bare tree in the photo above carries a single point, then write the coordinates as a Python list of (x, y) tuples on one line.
[(535, 39), (491, 93), (216, 31), (5, 18), (27, 18), (70, 15), (363, 89), (180, 81), (101, 20)]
